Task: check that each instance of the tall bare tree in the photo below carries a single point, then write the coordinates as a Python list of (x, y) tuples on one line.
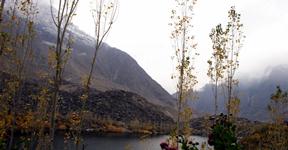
[(234, 43), (62, 19), (104, 14), (185, 52), (19, 36), (278, 108)]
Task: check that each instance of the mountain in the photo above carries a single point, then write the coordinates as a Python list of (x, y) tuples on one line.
[(254, 95), (115, 69), (119, 108)]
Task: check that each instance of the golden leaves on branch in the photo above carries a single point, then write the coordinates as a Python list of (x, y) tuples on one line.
[(216, 62), (235, 106), (74, 118), (278, 105), (185, 54), (226, 44)]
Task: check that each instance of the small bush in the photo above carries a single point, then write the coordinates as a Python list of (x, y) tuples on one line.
[(223, 136)]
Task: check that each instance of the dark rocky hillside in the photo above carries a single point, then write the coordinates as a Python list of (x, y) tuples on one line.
[(118, 105), (115, 69)]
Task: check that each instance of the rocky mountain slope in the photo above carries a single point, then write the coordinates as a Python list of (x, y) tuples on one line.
[(116, 106), (115, 69)]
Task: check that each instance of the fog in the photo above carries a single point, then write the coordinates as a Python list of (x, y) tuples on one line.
[(142, 30)]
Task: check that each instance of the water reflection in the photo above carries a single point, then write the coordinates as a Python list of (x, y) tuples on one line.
[(119, 142)]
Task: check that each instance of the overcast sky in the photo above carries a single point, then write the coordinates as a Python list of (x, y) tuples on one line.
[(142, 30)]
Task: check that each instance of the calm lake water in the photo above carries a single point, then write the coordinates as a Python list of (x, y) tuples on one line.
[(110, 142)]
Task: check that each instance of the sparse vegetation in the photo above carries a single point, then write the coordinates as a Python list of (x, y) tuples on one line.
[(223, 136), (60, 54), (216, 62), (272, 135), (227, 43), (103, 13), (39, 98), (185, 53)]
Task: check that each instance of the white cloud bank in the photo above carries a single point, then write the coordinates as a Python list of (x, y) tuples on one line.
[(142, 31)]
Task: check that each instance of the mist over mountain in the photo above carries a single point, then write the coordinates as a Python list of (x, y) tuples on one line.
[(115, 69), (254, 95)]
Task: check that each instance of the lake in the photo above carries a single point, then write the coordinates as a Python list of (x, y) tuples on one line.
[(114, 142)]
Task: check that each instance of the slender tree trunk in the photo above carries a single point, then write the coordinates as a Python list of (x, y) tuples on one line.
[(53, 115), (2, 10), (1, 18), (54, 106), (229, 94), (66, 9), (216, 97), (13, 111), (13, 126), (180, 97), (21, 70), (231, 74), (179, 106), (57, 82), (87, 86)]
